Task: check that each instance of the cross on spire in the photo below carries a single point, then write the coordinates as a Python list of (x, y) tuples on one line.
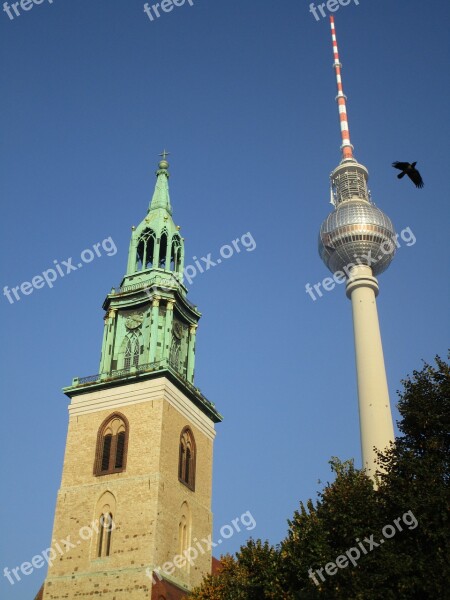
[(164, 153)]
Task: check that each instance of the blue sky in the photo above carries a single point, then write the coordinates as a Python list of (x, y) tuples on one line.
[(242, 94)]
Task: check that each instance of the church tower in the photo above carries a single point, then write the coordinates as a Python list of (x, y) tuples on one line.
[(133, 515)]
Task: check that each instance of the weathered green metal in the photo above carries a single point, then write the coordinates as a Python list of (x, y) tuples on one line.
[(150, 326), (159, 222), (148, 318), (147, 371)]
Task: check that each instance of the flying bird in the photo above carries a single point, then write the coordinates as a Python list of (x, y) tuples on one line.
[(410, 170)]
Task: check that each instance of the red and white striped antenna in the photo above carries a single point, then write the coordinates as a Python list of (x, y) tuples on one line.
[(346, 147)]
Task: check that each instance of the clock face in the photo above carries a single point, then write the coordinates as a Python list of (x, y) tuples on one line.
[(134, 321)]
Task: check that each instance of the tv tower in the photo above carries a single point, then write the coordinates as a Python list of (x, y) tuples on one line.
[(357, 240)]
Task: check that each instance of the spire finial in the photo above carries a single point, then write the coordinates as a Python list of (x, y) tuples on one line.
[(346, 147), (161, 197), (163, 164)]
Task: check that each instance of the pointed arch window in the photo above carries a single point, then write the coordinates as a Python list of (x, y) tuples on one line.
[(106, 451), (131, 355), (146, 249), (120, 450), (112, 445), (105, 528), (162, 249), (187, 459), (106, 510), (175, 254), (184, 532)]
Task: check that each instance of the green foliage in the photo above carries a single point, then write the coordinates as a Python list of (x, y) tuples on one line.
[(417, 478), (347, 510), (408, 511), (254, 574)]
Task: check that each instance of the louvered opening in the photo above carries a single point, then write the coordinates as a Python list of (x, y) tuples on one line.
[(112, 444), (186, 461), (188, 465), (106, 452), (120, 450), (180, 462)]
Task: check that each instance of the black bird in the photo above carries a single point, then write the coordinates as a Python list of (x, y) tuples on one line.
[(410, 170)]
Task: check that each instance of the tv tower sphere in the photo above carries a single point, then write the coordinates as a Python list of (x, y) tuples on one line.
[(356, 232)]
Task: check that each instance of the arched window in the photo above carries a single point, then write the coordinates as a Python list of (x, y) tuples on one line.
[(105, 509), (131, 354), (112, 445), (162, 249), (146, 249), (175, 255), (184, 532), (105, 527), (120, 450), (106, 451), (186, 460)]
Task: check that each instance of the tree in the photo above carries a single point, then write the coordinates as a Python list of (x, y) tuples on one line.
[(346, 512), (417, 479), (357, 542), (254, 574)]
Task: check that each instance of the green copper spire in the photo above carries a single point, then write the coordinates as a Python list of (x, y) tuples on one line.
[(149, 322), (161, 197), (150, 327), (156, 242)]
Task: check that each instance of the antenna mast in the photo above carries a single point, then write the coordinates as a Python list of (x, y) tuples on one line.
[(346, 147)]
